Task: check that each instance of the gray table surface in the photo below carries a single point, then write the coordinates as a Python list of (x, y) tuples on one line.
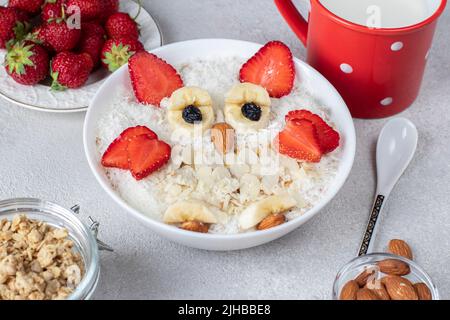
[(41, 155)]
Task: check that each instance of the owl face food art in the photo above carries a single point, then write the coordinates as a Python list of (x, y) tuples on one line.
[(221, 145)]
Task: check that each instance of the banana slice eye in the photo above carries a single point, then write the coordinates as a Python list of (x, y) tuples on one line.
[(247, 107), (189, 107)]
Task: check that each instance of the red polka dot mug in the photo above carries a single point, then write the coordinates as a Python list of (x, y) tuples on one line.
[(373, 51)]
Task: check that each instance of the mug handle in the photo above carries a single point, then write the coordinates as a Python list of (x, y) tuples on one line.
[(293, 18)]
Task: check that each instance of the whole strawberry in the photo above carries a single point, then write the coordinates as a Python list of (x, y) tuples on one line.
[(53, 9), (108, 8), (37, 35), (121, 25), (70, 70), (89, 9), (58, 36), (92, 40), (13, 25), (31, 6), (27, 62), (116, 52)]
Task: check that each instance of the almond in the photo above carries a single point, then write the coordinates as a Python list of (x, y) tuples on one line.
[(271, 221), (378, 288), (349, 290), (399, 288), (423, 292), (223, 136), (195, 226), (362, 278), (400, 248), (394, 267), (366, 294)]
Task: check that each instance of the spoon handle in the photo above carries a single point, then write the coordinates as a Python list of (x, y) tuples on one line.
[(366, 245)]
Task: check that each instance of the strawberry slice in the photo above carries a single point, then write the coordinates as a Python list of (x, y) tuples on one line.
[(146, 155), (272, 67), (328, 137), (152, 78), (116, 155), (299, 140)]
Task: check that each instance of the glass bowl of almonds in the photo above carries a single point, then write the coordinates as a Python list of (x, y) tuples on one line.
[(46, 252), (384, 276)]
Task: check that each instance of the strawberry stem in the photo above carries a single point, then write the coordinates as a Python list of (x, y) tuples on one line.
[(18, 57), (117, 57), (56, 86), (63, 13), (20, 30)]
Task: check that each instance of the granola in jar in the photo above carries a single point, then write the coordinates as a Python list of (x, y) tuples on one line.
[(37, 261)]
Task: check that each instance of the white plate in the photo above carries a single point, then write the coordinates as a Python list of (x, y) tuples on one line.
[(182, 52), (41, 98)]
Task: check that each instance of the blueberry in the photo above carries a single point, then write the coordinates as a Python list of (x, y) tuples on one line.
[(251, 111), (192, 114)]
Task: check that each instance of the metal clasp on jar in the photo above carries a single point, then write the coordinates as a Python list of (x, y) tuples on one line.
[(94, 226)]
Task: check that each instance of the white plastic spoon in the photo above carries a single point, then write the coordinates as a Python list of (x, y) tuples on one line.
[(396, 146)]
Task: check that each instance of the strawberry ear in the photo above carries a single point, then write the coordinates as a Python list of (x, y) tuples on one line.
[(272, 67), (152, 78)]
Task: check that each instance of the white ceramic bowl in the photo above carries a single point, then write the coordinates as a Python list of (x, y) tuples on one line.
[(181, 52)]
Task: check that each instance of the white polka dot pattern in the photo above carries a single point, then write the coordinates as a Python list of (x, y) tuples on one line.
[(387, 101), (346, 68), (397, 46)]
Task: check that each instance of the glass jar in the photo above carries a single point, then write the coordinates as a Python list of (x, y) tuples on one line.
[(54, 215), (356, 266)]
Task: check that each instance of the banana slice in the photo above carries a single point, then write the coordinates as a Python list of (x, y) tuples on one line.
[(196, 104), (183, 211), (189, 96), (256, 212), (248, 92), (247, 107)]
